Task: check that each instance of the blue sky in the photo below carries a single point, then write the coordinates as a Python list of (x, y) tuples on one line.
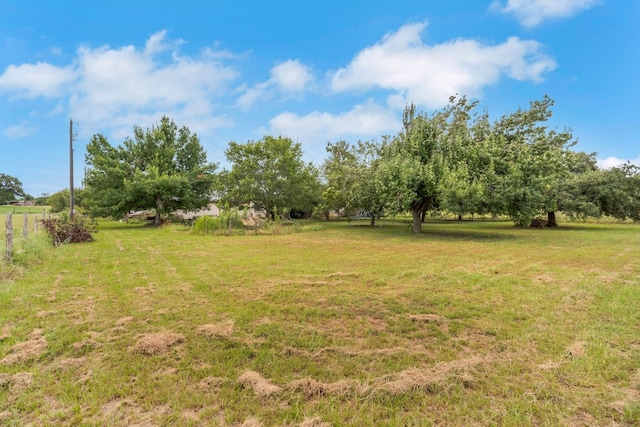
[(312, 70)]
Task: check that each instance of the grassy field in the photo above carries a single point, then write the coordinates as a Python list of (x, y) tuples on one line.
[(4, 209), (471, 323)]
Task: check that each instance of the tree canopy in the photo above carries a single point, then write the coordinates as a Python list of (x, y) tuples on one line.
[(270, 174), (10, 187), (163, 168)]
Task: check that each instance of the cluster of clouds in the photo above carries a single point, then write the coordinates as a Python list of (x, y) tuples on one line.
[(108, 89)]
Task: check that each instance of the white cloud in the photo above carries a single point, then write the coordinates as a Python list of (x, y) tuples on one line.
[(19, 131), (364, 121), (291, 76), (612, 161), (108, 88), (429, 75), (34, 80), (118, 85), (532, 12), (289, 79)]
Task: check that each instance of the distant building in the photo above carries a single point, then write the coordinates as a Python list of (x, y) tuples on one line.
[(23, 203)]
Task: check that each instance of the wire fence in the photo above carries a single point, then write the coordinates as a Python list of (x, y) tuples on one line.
[(23, 225)]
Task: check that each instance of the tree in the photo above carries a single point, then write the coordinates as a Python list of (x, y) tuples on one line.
[(163, 168), (367, 192), (614, 192), (533, 163), (415, 163), (10, 187), (59, 201), (270, 174), (340, 172)]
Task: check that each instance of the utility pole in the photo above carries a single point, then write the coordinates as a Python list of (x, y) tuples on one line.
[(71, 207)]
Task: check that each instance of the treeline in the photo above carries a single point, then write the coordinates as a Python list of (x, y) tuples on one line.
[(454, 159)]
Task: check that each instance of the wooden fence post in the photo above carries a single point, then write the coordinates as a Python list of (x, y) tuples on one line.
[(9, 225), (25, 226), (35, 224)]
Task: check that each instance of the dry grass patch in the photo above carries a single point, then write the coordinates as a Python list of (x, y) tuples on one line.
[(16, 383), (312, 388), (70, 363), (420, 379), (314, 422), (124, 320), (217, 330), (5, 331), (157, 343), (27, 350), (260, 386), (252, 422)]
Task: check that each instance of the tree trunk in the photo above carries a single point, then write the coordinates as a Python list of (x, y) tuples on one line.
[(158, 210), (417, 223), (373, 220), (459, 217), (423, 216), (551, 218)]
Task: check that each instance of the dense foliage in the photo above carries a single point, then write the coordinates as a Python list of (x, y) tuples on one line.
[(270, 175), (163, 168), (10, 187), (452, 160)]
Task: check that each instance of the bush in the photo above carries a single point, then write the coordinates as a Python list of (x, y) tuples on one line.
[(227, 223), (65, 231)]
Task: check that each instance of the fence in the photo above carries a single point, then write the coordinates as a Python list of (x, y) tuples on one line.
[(29, 222)]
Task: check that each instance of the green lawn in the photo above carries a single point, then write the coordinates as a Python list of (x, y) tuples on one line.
[(470, 323)]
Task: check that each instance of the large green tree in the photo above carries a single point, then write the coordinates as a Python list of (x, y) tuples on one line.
[(271, 175), (163, 168), (415, 164), (10, 187), (531, 164)]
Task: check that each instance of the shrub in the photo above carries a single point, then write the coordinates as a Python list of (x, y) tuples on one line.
[(227, 223)]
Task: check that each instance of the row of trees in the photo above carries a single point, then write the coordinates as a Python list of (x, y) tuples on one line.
[(453, 159)]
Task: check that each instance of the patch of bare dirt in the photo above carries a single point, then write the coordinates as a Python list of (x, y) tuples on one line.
[(5, 331), (127, 412), (27, 350), (581, 419), (629, 395), (544, 278), (70, 364), (217, 330), (549, 366), (576, 350), (157, 343), (314, 422), (16, 383), (260, 386), (124, 320), (42, 313), (251, 422)]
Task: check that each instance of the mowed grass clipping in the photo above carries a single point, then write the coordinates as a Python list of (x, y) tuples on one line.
[(471, 323)]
